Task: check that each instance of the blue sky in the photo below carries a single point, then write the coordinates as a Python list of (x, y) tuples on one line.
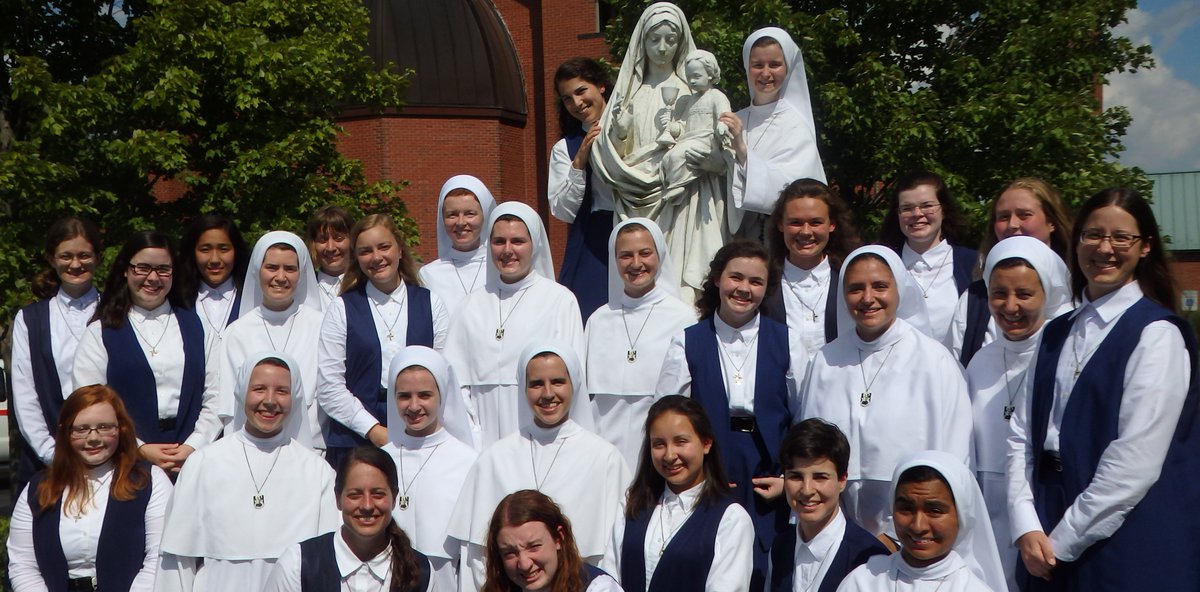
[(1165, 100)]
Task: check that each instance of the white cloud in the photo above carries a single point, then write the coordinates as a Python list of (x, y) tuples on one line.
[(1165, 133)]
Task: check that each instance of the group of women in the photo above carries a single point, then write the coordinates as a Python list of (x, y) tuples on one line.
[(1018, 417)]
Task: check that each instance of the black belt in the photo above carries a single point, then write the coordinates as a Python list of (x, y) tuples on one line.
[(81, 585), (1050, 462), (166, 424), (742, 423)]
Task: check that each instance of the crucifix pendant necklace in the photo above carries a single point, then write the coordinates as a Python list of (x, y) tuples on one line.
[(533, 462), (504, 317), (1012, 393), (1079, 361), (391, 333), (404, 500), (291, 324), (154, 347), (864, 399), (259, 500), (795, 287), (737, 368), (925, 289), (631, 353)]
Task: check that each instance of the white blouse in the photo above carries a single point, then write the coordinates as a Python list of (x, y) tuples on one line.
[(934, 273), (566, 185)]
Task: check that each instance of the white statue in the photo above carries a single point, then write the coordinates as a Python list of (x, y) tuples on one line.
[(635, 140), (694, 129)]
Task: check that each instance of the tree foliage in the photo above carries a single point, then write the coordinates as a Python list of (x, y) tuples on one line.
[(979, 91), (197, 106)]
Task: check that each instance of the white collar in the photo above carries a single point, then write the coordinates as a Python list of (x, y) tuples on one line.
[(1025, 345), (406, 442), (266, 444), (654, 296), (545, 436), (728, 334), (348, 563), (67, 301), (325, 278), (685, 500), (820, 272), (1111, 305), (894, 334), (477, 254), (942, 570), (379, 297), (221, 292), (99, 473), (525, 282), (154, 313), (827, 539), (934, 256), (276, 317)]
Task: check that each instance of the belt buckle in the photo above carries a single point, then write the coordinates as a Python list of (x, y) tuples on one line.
[(742, 423)]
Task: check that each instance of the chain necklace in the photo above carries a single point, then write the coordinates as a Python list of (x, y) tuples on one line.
[(403, 502), (154, 347), (925, 289), (331, 293), (631, 353), (62, 313), (737, 374), (662, 530), (474, 280), (795, 288), (391, 334), (941, 581), (1012, 395), (1079, 360), (504, 317), (291, 324), (259, 499), (533, 462), (864, 399), (225, 308), (767, 122), (90, 500)]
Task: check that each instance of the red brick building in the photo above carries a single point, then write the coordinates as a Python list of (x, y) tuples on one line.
[(481, 101)]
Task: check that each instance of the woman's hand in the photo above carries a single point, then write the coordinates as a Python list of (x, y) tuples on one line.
[(1037, 553), (585, 148), (378, 435), (734, 123), (157, 454), (768, 488)]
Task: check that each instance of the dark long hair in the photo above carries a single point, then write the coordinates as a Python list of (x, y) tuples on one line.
[(46, 282), (524, 506), (114, 307), (648, 484), (187, 273), (590, 71), (1052, 207), (1152, 274), (842, 240), (954, 225), (405, 571), (709, 300), (68, 471)]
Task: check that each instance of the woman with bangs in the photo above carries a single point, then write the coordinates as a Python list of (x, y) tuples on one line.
[(213, 258), (381, 310), (95, 516), (1025, 207), (328, 234)]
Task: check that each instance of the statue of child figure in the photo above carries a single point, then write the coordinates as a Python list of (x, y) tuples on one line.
[(695, 128)]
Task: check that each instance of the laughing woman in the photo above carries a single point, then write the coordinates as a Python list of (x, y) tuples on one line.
[(1103, 462)]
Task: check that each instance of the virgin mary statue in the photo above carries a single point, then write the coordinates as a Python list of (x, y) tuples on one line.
[(628, 152)]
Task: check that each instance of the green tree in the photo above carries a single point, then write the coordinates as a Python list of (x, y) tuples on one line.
[(979, 91), (213, 105)]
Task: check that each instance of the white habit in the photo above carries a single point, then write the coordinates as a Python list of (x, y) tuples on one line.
[(456, 274), (889, 573)]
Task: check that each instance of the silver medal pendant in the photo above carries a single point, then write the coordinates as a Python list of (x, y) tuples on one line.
[(404, 502), (864, 399), (1008, 412), (631, 355), (259, 501), (499, 333)]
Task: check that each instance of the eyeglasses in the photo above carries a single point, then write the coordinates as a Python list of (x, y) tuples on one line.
[(82, 256), (925, 208), (80, 432), (144, 269), (1118, 240)]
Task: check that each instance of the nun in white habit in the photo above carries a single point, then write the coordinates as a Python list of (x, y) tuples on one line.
[(888, 386), (642, 314), (280, 311), (242, 501), (521, 302), (433, 453), (998, 371), (462, 254), (778, 143), (556, 452), (969, 565)]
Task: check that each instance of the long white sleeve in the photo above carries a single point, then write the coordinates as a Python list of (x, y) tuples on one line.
[(22, 564), (676, 378), (565, 184), (91, 359), (1022, 461), (333, 395), (209, 423), (25, 397)]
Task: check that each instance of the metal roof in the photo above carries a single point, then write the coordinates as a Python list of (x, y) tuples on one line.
[(1177, 206)]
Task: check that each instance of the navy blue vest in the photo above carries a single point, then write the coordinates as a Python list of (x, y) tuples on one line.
[(965, 261), (978, 317), (856, 548), (364, 358), (773, 306), (130, 374), (46, 385), (1157, 547), (120, 552), (685, 563), (746, 455), (585, 262), (319, 569)]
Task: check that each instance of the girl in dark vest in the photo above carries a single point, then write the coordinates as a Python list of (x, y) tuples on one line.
[(93, 519), (809, 234), (1104, 461), (576, 197), (530, 548), (681, 528), (924, 224), (381, 310), (213, 259), (1025, 207), (45, 335), (151, 350), (370, 553), (735, 362)]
